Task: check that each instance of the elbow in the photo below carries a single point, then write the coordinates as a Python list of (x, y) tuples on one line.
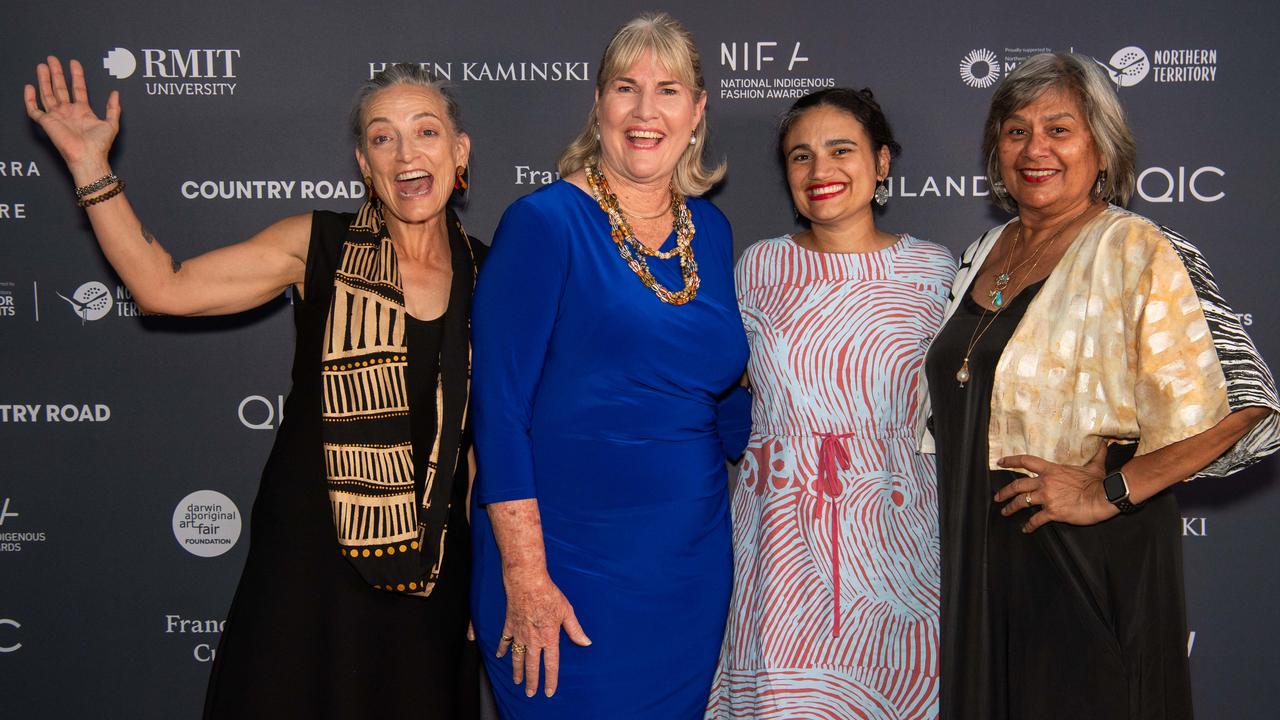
[(1251, 416)]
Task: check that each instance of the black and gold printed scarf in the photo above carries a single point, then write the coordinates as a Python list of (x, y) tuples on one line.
[(390, 532)]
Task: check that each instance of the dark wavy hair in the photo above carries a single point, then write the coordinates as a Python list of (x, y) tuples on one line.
[(861, 104)]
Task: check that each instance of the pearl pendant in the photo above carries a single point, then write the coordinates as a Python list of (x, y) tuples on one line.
[(962, 375)]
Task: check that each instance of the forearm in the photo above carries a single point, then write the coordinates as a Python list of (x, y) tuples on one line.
[(1148, 474), (142, 263), (517, 527)]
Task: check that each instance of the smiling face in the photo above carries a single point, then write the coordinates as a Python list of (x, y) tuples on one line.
[(411, 152), (1047, 156), (646, 117), (832, 169)]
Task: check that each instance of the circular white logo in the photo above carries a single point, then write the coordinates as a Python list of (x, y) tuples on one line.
[(91, 301), (206, 523), (1128, 67), (120, 63), (980, 68)]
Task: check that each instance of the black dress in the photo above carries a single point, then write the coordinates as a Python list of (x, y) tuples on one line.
[(1067, 622), (306, 636)]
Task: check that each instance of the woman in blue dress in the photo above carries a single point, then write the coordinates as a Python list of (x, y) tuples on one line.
[(606, 330)]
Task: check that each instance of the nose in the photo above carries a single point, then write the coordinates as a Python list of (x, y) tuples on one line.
[(1037, 144), (821, 165), (644, 108), (404, 151)]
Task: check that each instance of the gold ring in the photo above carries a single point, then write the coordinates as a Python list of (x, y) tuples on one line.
[(507, 638), (1027, 497), (518, 648)]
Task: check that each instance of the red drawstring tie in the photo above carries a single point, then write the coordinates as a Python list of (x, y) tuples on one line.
[(833, 456)]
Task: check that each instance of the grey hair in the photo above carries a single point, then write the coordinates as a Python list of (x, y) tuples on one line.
[(399, 74), (1085, 80), (672, 45)]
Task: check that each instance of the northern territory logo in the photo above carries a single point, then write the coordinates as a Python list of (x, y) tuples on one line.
[(1128, 66), (91, 301)]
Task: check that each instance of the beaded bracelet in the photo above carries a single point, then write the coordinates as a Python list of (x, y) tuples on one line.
[(86, 202), (96, 185)]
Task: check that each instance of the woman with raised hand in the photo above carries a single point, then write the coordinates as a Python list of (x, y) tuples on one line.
[(606, 332), (351, 603)]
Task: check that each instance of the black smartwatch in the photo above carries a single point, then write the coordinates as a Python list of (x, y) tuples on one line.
[(1116, 488)]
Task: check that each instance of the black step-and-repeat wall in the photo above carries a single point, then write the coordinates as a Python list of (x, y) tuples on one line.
[(131, 447)]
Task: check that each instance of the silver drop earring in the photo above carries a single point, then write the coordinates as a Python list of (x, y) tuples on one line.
[(881, 195)]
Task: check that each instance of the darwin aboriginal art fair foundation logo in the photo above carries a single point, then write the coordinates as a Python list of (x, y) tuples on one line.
[(206, 523), (188, 71)]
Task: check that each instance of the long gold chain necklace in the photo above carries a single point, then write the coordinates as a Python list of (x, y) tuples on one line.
[(963, 375), (634, 252)]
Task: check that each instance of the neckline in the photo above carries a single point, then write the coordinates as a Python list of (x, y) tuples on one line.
[(668, 242), (888, 249), (1029, 291)]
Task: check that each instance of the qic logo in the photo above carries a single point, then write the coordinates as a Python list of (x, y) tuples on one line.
[(91, 301), (254, 406), (1163, 185), (5, 624), (1128, 66), (980, 68)]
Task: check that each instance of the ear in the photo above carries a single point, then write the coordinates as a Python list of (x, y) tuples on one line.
[(462, 150), (363, 163), (699, 108), (882, 163)]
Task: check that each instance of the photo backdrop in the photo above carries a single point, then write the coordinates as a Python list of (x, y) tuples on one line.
[(131, 447)]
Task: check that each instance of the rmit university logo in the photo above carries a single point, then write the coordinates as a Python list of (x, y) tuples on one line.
[(120, 63), (198, 71), (91, 301)]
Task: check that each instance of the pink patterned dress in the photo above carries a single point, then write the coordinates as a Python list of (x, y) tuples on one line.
[(835, 518)]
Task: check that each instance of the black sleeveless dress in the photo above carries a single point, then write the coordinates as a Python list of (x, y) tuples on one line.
[(1065, 623), (306, 636)]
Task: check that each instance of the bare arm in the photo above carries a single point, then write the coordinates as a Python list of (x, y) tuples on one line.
[(536, 609), (226, 280), (1074, 494)]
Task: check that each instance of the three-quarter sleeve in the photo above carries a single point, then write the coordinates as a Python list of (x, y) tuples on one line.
[(1188, 337), (516, 302)]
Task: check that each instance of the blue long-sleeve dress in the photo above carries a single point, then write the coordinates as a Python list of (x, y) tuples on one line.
[(600, 401)]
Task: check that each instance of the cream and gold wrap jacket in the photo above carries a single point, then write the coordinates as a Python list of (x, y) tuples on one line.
[(1128, 340)]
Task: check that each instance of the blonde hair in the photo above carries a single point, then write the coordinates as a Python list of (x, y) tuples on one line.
[(673, 47)]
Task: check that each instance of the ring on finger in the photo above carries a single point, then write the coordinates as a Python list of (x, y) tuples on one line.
[(519, 648), (506, 638), (1027, 497)]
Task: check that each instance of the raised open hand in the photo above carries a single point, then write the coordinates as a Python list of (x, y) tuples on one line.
[(81, 137)]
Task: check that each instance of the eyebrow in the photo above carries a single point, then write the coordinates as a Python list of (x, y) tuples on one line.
[(829, 143), (419, 116), (1048, 118), (633, 81)]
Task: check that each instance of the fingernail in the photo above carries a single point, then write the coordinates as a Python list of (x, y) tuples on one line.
[(528, 693)]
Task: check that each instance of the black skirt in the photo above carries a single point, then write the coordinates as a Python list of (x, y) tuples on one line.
[(1067, 622)]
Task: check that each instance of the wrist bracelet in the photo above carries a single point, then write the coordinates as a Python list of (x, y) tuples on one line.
[(86, 202), (96, 185)]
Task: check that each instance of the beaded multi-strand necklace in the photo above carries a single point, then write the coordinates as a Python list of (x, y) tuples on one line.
[(634, 252)]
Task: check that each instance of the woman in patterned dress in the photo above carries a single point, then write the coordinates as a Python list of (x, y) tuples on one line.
[(835, 535), (1088, 364)]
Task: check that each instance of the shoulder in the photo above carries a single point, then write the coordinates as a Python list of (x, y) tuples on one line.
[(928, 251), (707, 216), (762, 259), (1132, 239)]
